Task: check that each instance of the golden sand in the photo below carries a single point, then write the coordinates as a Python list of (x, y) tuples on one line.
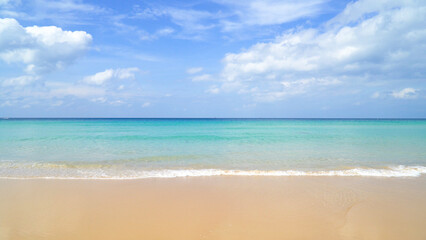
[(215, 208)]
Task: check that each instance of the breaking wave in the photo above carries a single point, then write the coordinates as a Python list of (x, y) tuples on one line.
[(64, 171)]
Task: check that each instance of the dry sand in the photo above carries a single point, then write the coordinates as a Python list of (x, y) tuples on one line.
[(215, 208)]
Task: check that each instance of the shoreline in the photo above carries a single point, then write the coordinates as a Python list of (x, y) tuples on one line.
[(216, 207), (61, 171)]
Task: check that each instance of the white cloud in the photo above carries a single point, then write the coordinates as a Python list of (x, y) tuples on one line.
[(406, 93), (213, 90), (59, 12), (59, 90), (99, 100), (203, 77), (194, 70), (126, 73), (70, 6), (269, 12), (159, 33), (20, 81), (191, 22), (146, 104), (384, 41), (57, 103), (117, 102), (100, 77), (4, 2), (376, 95), (119, 73), (6, 104), (165, 31), (233, 15), (7, 4), (289, 88), (40, 49)]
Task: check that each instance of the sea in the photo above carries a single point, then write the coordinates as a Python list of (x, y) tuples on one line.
[(170, 148)]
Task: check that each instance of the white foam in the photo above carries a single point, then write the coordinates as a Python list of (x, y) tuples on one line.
[(99, 173)]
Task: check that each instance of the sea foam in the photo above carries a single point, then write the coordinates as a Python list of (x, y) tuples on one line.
[(46, 171)]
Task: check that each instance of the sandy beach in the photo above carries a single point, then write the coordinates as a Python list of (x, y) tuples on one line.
[(214, 208)]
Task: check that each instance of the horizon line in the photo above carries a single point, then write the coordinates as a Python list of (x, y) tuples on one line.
[(213, 118)]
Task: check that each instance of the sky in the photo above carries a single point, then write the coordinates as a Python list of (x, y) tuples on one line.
[(251, 58)]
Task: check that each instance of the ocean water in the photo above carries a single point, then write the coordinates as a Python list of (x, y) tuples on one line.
[(145, 148)]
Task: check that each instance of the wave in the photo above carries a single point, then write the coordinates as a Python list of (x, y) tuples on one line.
[(45, 171)]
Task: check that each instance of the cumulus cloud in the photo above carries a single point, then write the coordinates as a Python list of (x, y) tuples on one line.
[(406, 93), (381, 39), (40, 49), (119, 73)]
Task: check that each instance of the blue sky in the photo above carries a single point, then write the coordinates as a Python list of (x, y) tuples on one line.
[(253, 58)]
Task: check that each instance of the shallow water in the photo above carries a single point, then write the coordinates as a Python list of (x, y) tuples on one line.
[(139, 148)]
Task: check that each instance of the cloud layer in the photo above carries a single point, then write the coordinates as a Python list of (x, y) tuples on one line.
[(380, 40)]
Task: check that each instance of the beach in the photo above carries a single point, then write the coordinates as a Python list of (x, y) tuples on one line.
[(212, 179), (218, 207)]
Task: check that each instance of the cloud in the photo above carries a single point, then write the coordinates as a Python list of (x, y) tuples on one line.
[(59, 12), (188, 19), (203, 77), (269, 12), (8, 4), (57, 103), (159, 33), (280, 90), (406, 93), (384, 41), (233, 15), (376, 95), (100, 77), (60, 90), (40, 49), (119, 73), (20, 81), (213, 89), (4, 2), (146, 104), (190, 23), (194, 70), (126, 73), (117, 102), (6, 104), (69, 6), (99, 100)]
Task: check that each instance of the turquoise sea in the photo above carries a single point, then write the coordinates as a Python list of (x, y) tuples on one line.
[(142, 148)]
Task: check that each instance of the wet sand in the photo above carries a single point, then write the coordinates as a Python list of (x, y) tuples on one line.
[(215, 208)]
